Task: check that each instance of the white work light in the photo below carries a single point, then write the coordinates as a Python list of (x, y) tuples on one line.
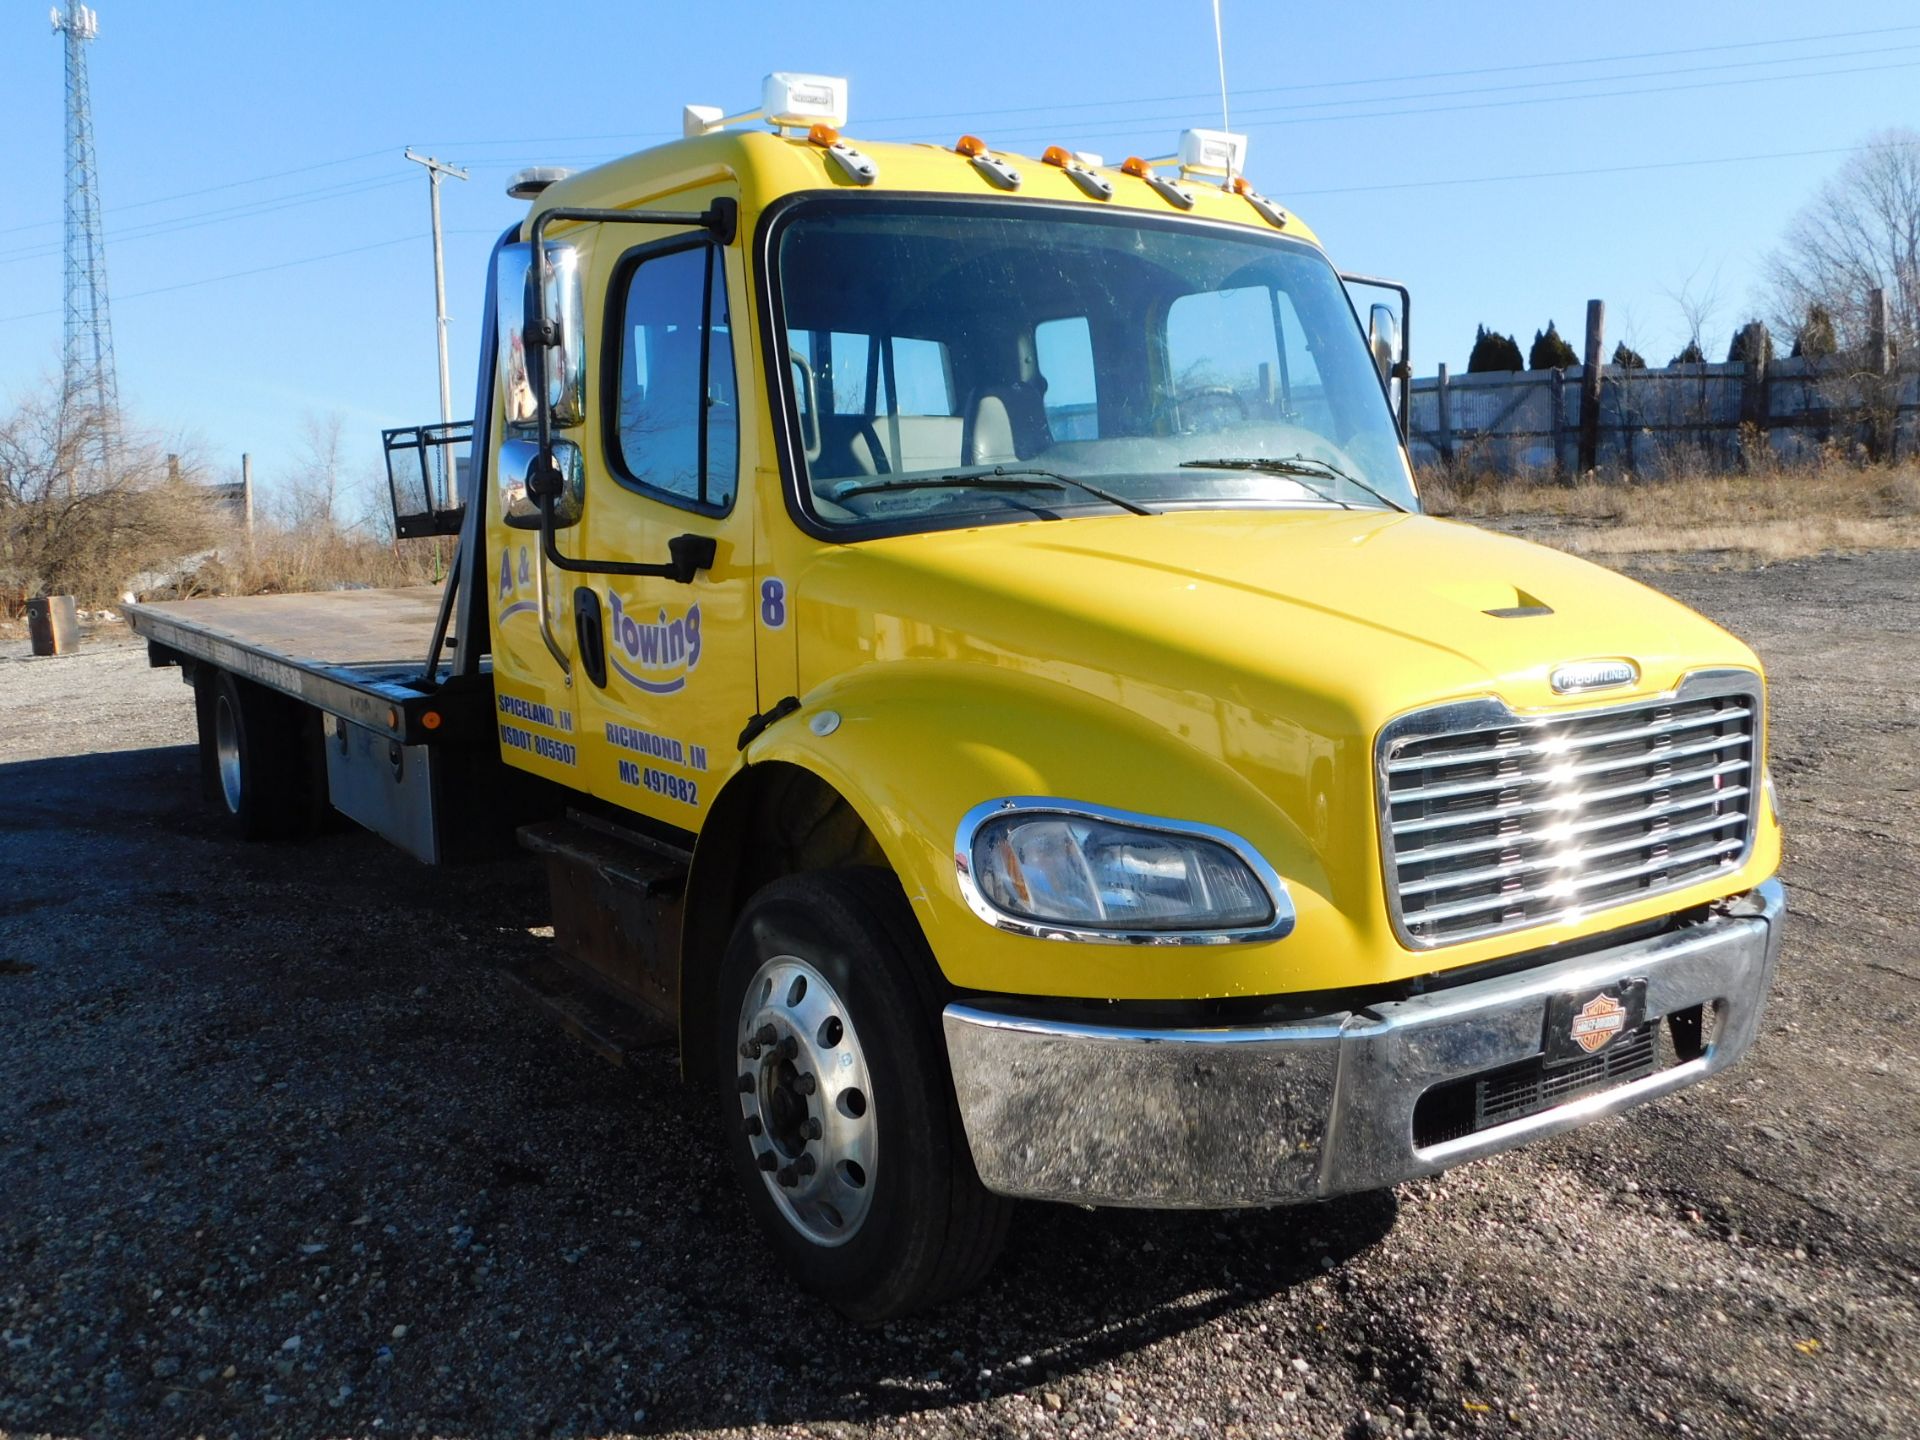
[(1213, 152), (788, 101)]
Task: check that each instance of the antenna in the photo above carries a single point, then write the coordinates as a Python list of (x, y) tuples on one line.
[(1220, 52), (89, 391)]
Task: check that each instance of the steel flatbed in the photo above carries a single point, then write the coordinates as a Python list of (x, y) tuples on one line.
[(361, 654)]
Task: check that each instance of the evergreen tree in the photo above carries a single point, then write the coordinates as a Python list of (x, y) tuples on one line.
[(1816, 340), (1627, 359), (1692, 355), (1493, 351), (1738, 349), (1549, 351)]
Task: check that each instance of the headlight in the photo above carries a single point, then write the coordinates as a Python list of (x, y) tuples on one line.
[(1056, 868)]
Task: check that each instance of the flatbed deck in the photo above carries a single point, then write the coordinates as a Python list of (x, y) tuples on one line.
[(357, 653)]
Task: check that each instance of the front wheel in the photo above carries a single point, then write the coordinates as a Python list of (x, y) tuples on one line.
[(840, 1117)]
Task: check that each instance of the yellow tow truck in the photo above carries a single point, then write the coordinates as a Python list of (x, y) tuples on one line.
[(960, 630)]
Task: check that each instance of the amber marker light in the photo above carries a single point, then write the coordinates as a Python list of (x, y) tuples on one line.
[(393, 719), (824, 135), (1134, 165), (1241, 185), (1056, 155), (430, 719), (970, 146)]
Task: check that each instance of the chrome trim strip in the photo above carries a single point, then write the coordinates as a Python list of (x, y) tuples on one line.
[(1463, 717), (1274, 1114), (1278, 927)]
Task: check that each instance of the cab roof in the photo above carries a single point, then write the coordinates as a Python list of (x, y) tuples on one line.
[(768, 166)]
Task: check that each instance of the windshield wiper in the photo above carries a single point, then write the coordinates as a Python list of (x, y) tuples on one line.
[(1297, 465), (998, 478)]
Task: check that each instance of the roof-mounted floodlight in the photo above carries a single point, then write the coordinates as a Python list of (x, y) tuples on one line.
[(788, 101), (1213, 152), (528, 183)]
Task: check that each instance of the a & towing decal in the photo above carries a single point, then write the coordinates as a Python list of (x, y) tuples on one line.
[(656, 655)]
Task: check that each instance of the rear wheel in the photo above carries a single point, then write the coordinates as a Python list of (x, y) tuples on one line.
[(840, 1116), (257, 758)]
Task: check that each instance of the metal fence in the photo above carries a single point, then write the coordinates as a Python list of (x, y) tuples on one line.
[(1530, 420)]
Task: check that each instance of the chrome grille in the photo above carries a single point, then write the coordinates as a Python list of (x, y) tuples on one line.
[(1492, 821)]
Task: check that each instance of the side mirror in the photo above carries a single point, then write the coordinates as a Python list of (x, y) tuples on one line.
[(521, 510), (1383, 339), (566, 362)]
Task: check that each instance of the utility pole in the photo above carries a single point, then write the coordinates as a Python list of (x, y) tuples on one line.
[(435, 169)]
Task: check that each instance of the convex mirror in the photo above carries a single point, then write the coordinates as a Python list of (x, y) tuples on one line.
[(518, 508), (1383, 338), (566, 362)]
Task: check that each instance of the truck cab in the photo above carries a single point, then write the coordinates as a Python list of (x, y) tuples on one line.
[(997, 695)]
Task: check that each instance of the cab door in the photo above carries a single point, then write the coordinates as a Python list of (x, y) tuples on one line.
[(663, 713)]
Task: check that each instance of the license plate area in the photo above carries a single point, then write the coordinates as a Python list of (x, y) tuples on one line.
[(1583, 1024)]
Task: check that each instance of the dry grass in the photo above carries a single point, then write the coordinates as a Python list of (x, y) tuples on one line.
[(285, 559), (1736, 520)]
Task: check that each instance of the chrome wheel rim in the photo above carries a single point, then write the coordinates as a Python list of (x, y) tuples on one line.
[(806, 1102), (226, 749)]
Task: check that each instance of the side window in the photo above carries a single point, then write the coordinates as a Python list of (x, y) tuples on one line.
[(1064, 350), (677, 431), (1248, 342)]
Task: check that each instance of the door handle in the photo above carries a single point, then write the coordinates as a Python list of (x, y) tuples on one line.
[(589, 635)]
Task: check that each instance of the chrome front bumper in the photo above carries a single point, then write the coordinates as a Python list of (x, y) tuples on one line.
[(1323, 1106)]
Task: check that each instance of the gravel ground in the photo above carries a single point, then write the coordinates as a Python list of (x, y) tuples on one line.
[(280, 1153)]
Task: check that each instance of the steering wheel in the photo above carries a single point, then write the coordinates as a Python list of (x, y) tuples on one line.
[(1174, 408)]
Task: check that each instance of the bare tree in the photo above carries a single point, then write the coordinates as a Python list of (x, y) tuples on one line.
[(309, 497), (1861, 232), (71, 526)]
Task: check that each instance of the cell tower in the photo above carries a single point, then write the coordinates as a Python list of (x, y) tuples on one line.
[(89, 389)]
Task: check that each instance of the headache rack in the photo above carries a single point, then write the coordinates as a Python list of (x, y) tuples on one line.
[(1493, 822), (426, 477)]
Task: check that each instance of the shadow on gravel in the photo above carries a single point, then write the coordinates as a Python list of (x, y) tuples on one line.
[(284, 1154)]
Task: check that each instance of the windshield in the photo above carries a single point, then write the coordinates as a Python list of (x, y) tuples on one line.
[(952, 363)]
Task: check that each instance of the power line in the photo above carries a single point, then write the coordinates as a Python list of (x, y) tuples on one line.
[(864, 127), (210, 189), (1134, 127), (225, 215), (243, 274), (1594, 170), (1421, 75)]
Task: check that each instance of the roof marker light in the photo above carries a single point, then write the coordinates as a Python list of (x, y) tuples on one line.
[(1099, 187), (998, 171), (1168, 191), (1269, 211), (855, 166)]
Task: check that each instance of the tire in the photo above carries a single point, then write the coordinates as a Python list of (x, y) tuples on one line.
[(915, 1225), (257, 754)]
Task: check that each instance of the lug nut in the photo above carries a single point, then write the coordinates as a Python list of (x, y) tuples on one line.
[(748, 1084), (750, 1049), (810, 1130), (805, 1084), (786, 1049), (787, 1177), (766, 1034), (805, 1165), (767, 1160), (754, 1127)]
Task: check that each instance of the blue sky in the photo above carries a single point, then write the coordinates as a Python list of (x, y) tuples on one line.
[(1426, 142)]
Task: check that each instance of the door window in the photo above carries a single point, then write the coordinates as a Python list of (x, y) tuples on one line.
[(677, 430)]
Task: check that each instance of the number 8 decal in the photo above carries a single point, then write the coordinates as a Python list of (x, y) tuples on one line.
[(773, 604)]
